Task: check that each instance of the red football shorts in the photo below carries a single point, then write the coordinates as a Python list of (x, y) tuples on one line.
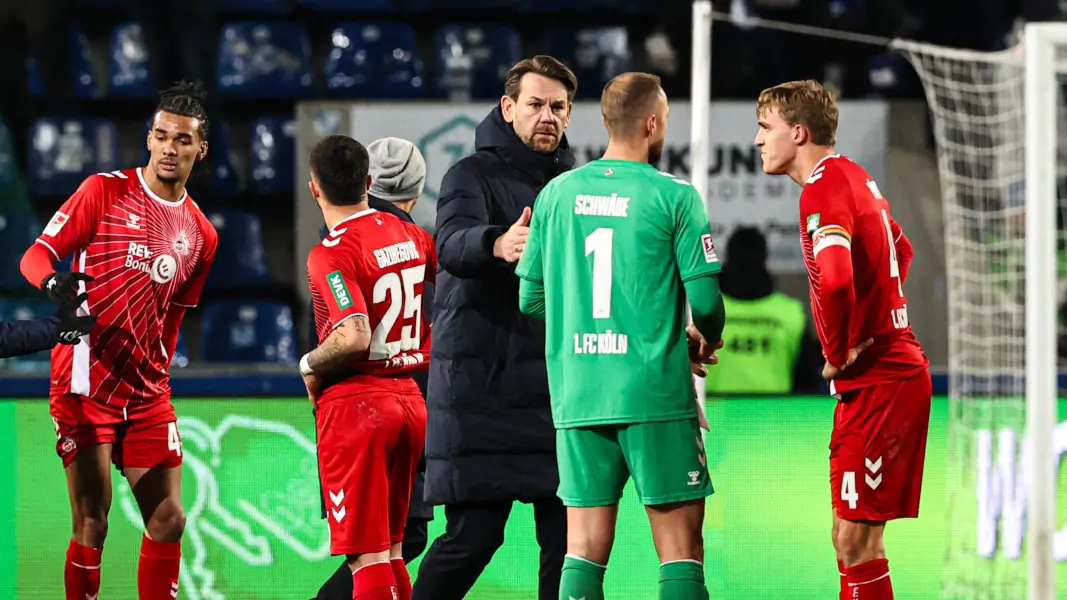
[(369, 450), (877, 450), (143, 436)]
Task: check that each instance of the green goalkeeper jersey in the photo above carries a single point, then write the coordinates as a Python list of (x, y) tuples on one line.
[(612, 243)]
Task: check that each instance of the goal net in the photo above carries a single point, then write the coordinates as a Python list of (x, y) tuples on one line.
[(978, 108)]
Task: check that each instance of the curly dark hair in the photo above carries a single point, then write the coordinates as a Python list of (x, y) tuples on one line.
[(187, 99)]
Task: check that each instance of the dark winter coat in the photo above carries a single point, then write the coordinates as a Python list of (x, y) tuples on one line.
[(489, 428)]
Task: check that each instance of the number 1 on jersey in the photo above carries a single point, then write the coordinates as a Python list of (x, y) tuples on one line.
[(599, 244)]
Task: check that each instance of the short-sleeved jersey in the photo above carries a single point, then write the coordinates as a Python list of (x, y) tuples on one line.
[(613, 242), (145, 253), (841, 205), (375, 265)]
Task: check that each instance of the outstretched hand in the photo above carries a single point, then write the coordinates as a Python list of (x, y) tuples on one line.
[(63, 287), (701, 352), (510, 245), (830, 371)]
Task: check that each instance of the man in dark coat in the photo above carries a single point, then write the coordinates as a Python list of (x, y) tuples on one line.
[(490, 439), (398, 173)]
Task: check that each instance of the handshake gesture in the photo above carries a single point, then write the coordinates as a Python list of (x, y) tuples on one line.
[(701, 352), (63, 289), (510, 245)]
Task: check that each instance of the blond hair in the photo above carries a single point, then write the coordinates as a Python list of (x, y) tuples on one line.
[(805, 103)]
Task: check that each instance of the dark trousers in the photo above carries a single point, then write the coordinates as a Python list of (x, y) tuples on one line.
[(339, 585), (472, 535)]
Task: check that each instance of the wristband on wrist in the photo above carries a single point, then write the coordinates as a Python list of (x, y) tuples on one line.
[(305, 366)]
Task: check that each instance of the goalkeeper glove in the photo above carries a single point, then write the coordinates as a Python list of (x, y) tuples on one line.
[(62, 287), (73, 326)]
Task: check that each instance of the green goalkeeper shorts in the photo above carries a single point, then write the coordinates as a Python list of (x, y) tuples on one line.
[(666, 460)]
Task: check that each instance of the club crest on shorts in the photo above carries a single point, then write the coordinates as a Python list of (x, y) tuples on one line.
[(709, 248), (67, 445)]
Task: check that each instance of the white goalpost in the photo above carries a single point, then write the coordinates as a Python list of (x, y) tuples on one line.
[(700, 115), (998, 126)]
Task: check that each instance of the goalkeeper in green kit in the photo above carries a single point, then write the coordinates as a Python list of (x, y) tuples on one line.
[(614, 248)]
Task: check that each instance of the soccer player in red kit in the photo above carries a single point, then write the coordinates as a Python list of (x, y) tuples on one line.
[(142, 250), (366, 279), (857, 259)]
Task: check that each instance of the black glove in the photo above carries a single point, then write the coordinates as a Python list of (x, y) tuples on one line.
[(72, 325), (61, 287)]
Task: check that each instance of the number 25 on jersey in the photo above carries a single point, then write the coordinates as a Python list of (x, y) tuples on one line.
[(399, 291)]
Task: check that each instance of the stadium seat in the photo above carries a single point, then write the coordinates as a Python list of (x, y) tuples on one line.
[(66, 150), (82, 77), (25, 310), (261, 59), (18, 230), (241, 258), (473, 60), (220, 157), (129, 68), (347, 5), (374, 59), (248, 332), (271, 160), (272, 6), (595, 54)]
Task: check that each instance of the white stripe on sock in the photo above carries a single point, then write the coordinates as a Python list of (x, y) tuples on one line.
[(687, 560), (871, 581), (585, 560)]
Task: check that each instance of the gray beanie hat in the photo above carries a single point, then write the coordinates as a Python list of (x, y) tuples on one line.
[(397, 169)]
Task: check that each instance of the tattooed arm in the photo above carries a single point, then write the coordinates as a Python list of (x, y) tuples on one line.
[(349, 341)]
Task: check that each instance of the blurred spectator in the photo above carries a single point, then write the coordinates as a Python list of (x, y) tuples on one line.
[(766, 346)]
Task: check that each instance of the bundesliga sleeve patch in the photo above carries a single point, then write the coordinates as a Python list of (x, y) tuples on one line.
[(339, 289), (812, 223), (709, 248), (56, 224)]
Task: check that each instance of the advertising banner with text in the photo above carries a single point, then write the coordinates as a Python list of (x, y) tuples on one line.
[(250, 491), (739, 193)]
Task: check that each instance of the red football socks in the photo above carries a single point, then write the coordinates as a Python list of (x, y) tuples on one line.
[(841, 578), (81, 573), (374, 582), (868, 581), (403, 579), (157, 570)]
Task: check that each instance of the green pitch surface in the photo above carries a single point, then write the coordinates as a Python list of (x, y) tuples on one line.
[(254, 531)]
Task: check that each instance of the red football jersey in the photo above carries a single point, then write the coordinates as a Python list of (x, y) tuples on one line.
[(842, 206), (375, 265), (145, 254)]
